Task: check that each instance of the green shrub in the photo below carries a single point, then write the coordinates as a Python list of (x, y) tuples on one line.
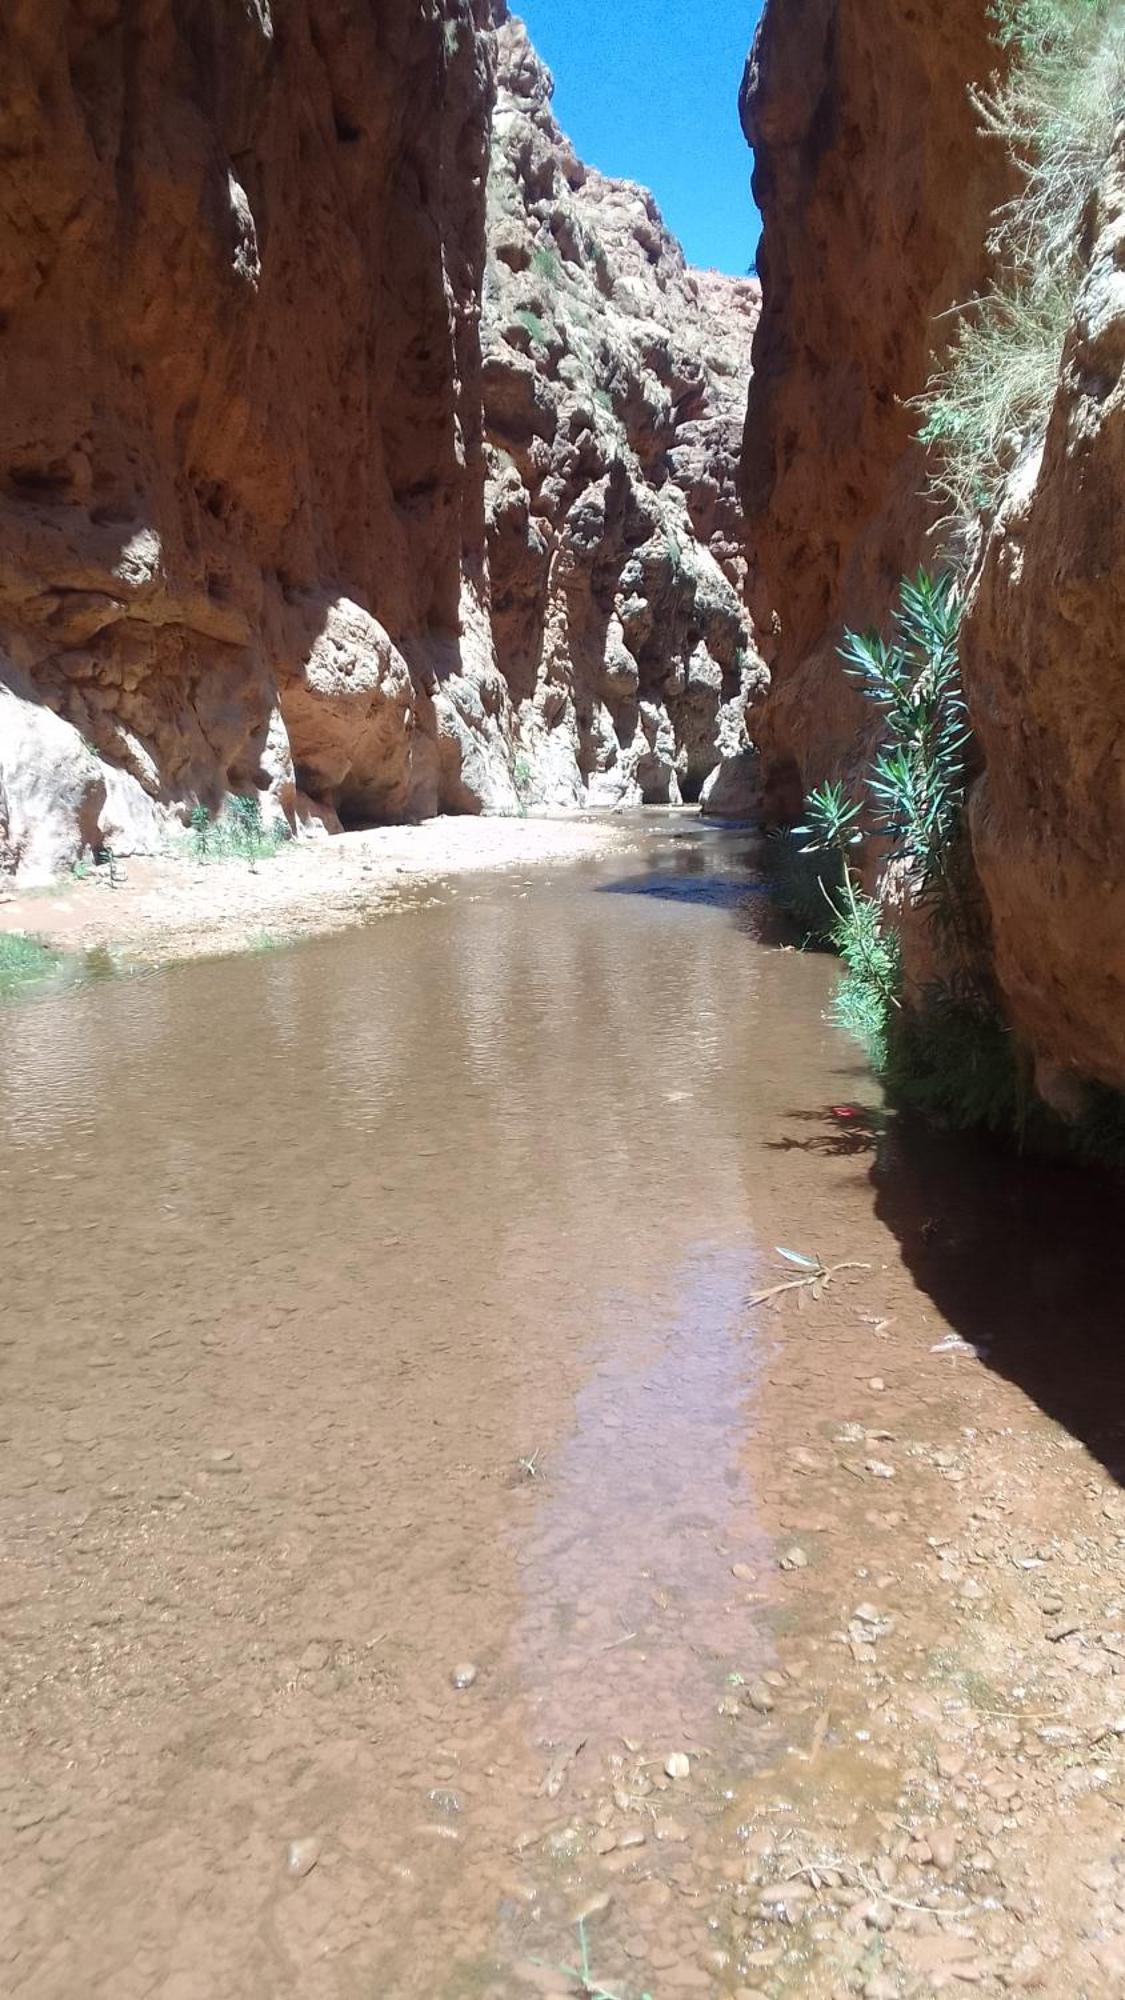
[(237, 833), (947, 1053), (522, 779), (1055, 110), (545, 264), (532, 324), (915, 798)]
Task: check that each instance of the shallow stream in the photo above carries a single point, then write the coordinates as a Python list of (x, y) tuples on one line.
[(396, 1477)]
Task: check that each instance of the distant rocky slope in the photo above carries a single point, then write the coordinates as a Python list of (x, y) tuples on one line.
[(876, 186), (251, 535), (613, 393)]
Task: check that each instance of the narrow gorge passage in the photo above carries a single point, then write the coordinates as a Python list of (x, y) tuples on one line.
[(398, 1483)]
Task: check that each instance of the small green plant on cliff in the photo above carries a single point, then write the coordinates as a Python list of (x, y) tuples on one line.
[(522, 776), (545, 264), (531, 324), (1054, 108)]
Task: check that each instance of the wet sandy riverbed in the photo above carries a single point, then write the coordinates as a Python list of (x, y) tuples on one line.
[(376, 1317)]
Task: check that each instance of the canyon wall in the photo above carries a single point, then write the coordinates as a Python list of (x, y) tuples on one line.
[(241, 524), (1043, 667), (876, 187), (876, 192), (247, 515)]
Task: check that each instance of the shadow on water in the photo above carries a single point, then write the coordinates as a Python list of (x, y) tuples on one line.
[(1023, 1258)]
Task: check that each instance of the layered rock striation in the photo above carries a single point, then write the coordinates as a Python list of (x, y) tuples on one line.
[(247, 518)]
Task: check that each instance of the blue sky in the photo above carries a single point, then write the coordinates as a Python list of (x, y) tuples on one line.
[(648, 89)]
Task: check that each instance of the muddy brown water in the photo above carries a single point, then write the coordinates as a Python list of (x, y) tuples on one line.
[(378, 1308)]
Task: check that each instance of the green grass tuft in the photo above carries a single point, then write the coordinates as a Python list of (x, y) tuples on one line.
[(237, 833), (23, 960), (1055, 110), (532, 324)]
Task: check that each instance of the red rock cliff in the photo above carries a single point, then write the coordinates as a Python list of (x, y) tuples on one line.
[(876, 187), (240, 477), (243, 533), (876, 192)]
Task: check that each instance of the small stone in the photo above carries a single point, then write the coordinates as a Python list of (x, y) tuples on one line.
[(787, 1897), (221, 1461), (879, 1469), (464, 1674), (1050, 1606), (744, 1573), (943, 1846), (633, 1836), (670, 1830), (677, 1765), (951, 1763), (876, 1382), (604, 1842), (760, 1698), (301, 1856), (1063, 1629), (793, 1558), (314, 1657)]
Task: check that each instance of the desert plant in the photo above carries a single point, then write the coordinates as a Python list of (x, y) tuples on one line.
[(915, 797), (1054, 108), (532, 324), (871, 988), (917, 781), (948, 1054), (522, 780), (545, 264), (237, 833)]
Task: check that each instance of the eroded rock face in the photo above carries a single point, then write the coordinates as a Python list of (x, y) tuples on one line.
[(876, 192), (241, 523), (1042, 659), (877, 188), (613, 380), (244, 527)]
